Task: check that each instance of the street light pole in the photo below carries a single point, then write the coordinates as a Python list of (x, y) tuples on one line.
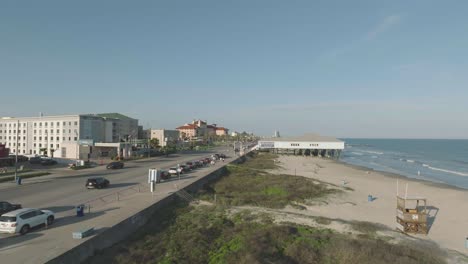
[(16, 152)]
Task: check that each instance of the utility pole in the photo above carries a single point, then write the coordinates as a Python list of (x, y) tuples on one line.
[(16, 152)]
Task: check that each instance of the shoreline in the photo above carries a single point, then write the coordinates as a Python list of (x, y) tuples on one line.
[(447, 222), (404, 177)]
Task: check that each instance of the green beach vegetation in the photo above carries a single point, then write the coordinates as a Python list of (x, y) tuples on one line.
[(211, 231)]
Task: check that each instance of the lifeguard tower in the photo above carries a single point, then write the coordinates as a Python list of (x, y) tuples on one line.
[(411, 213)]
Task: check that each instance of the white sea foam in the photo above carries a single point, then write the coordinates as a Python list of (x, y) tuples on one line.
[(410, 161), (447, 171), (373, 152), (357, 153)]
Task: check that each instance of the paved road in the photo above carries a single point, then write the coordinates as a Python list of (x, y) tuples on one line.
[(69, 190), (61, 193)]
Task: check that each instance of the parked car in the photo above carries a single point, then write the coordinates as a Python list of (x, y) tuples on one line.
[(6, 207), (115, 165), (165, 175), (185, 168), (22, 220), (190, 165), (206, 160), (173, 171), (48, 162), (97, 183), (198, 164), (35, 160), (21, 158)]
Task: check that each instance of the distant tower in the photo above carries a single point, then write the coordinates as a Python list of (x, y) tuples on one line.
[(277, 134)]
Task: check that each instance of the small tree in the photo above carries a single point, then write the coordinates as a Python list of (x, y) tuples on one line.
[(154, 143), (44, 151)]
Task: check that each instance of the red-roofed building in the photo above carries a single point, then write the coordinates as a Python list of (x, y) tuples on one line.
[(221, 131), (188, 131), (199, 128)]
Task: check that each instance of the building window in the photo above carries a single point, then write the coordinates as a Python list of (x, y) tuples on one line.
[(40, 138), (75, 138), (24, 131), (34, 144), (63, 138), (51, 124), (24, 144), (34, 151), (76, 123), (34, 126), (58, 131), (58, 138), (40, 145), (69, 138), (24, 138), (40, 124), (69, 123), (51, 145), (45, 124), (64, 131), (34, 138), (69, 130), (57, 146)]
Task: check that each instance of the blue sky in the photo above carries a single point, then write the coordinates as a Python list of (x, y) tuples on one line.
[(391, 69)]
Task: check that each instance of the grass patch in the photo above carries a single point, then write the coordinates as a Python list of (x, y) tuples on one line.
[(323, 220), (261, 161), (207, 235), (367, 228), (12, 172), (24, 176), (81, 167), (246, 186)]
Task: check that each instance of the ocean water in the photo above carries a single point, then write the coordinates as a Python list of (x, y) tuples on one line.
[(436, 160)]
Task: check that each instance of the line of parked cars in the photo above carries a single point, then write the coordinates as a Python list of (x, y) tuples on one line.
[(15, 219)]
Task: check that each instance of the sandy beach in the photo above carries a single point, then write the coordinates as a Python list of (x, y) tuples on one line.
[(448, 216)]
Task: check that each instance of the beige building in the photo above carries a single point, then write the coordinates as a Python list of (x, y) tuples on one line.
[(199, 128), (165, 136), (64, 136)]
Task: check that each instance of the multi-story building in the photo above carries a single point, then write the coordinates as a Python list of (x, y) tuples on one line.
[(199, 128), (58, 136), (221, 131), (164, 136)]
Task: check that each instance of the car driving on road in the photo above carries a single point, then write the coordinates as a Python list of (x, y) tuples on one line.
[(6, 207), (97, 183), (115, 165), (48, 162), (173, 171), (22, 220)]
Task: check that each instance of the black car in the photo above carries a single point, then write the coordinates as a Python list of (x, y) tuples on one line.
[(6, 207), (48, 162), (115, 165), (35, 160), (190, 165), (97, 183), (185, 168)]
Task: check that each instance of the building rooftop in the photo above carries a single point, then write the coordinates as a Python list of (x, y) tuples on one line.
[(114, 115), (311, 137)]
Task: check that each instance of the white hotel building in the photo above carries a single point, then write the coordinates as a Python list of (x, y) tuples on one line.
[(61, 136)]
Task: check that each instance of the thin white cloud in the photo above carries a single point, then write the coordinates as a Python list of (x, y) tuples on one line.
[(384, 25)]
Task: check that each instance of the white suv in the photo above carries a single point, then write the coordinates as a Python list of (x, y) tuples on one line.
[(22, 220)]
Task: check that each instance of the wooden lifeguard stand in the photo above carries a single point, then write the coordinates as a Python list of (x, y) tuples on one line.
[(411, 213)]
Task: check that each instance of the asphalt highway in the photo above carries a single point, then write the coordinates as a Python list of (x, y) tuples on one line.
[(62, 193)]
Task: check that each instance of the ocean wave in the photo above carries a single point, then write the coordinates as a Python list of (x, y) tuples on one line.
[(373, 152), (410, 161), (444, 170), (357, 153)]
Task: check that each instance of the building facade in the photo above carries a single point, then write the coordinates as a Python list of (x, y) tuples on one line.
[(200, 129), (308, 145), (165, 137), (58, 136)]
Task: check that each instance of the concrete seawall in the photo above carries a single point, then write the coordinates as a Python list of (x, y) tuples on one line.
[(122, 230)]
